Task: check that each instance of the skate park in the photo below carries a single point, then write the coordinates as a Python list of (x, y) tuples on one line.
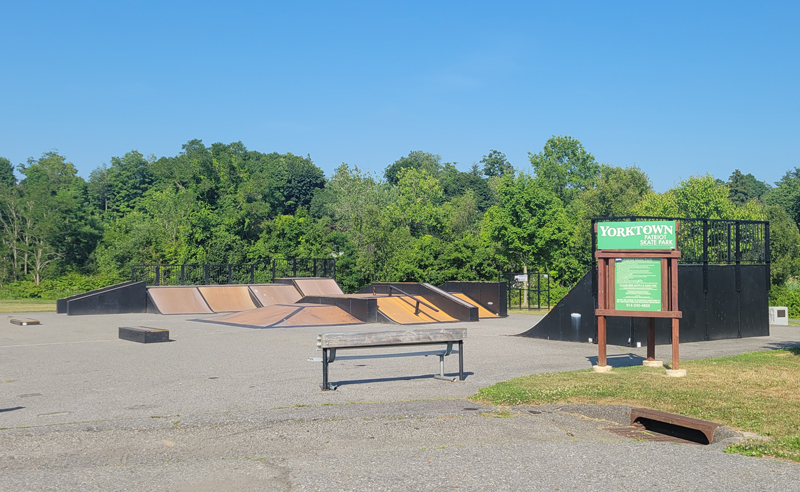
[(235, 405)]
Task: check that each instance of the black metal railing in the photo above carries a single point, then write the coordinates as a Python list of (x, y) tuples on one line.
[(262, 272), (527, 290), (712, 241)]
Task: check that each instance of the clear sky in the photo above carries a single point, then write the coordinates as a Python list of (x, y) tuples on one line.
[(677, 88)]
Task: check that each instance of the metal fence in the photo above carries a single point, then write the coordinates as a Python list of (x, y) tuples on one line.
[(262, 272), (713, 241), (527, 290)]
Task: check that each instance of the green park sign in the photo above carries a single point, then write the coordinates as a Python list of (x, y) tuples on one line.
[(636, 235), (637, 284)]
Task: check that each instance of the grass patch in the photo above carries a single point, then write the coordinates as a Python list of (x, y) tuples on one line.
[(794, 322), (27, 306), (756, 392)]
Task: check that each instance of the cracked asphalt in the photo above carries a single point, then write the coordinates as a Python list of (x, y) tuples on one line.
[(227, 408)]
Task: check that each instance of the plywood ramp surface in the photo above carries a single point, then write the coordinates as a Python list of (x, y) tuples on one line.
[(317, 286), (226, 298), (402, 310), (178, 300), (288, 315), (276, 294), (482, 311)]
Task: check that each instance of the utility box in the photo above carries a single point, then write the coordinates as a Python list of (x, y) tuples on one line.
[(779, 315)]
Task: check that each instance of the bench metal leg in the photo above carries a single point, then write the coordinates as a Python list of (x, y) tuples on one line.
[(324, 369), (328, 355), (460, 360)]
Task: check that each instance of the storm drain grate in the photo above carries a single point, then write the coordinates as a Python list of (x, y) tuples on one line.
[(639, 432)]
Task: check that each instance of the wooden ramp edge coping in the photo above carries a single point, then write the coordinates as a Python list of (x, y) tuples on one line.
[(24, 321), (705, 427), (396, 337)]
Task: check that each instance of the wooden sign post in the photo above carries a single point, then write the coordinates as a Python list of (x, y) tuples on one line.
[(638, 277)]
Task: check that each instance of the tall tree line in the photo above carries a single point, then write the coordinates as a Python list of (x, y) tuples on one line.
[(421, 220)]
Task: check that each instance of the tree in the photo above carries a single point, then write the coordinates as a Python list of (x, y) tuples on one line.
[(787, 194), (784, 245), (496, 164), (456, 183), (564, 167), (745, 187), (531, 226), (417, 159), (7, 177), (55, 202)]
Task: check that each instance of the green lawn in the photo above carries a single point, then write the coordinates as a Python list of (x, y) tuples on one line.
[(27, 306), (757, 392)]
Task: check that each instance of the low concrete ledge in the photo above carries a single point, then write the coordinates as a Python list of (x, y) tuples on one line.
[(143, 334)]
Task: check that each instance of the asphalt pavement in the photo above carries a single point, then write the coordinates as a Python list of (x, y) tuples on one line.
[(229, 408)]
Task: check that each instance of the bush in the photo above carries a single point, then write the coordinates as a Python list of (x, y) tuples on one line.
[(64, 286), (786, 295)]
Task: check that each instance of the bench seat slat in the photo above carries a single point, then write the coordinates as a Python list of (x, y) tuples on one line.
[(385, 338)]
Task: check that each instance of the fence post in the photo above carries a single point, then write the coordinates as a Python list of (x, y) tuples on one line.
[(230, 274), (767, 254), (133, 275), (334, 269), (294, 267), (205, 267), (273, 270), (315, 267), (158, 274), (538, 290), (252, 273)]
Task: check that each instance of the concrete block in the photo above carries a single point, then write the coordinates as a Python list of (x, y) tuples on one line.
[(653, 363), (601, 368), (779, 315), (143, 334), (676, 373)]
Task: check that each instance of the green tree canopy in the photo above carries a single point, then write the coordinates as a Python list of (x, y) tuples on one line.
[(496, 164), (7, 177), (745, 187), (417, 159), (565, 167)]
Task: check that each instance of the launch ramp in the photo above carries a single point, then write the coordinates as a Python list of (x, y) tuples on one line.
[(228, 298), (271, 294), (176, 300)]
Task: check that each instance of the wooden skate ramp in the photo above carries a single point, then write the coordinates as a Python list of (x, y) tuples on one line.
[(178, 300), (227, 298), (276, 294), (482, 311), (287, 316), (401, 310), (317, 286)]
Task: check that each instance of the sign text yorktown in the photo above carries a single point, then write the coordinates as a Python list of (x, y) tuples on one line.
[(636, 235)]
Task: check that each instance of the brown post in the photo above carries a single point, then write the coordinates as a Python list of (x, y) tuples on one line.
[(673, 277), (675, 341), (651, 340), (601, 341)]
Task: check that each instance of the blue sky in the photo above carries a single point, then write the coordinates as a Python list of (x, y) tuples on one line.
[(677, 88)]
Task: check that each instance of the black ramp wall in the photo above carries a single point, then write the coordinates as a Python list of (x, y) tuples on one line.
[(735, 305)]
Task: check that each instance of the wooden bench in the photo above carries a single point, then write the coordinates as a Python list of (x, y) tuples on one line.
[(330, 343)]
